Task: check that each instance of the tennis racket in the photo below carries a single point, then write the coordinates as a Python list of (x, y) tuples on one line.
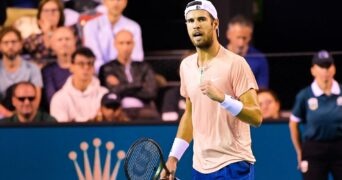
[(144, 160)]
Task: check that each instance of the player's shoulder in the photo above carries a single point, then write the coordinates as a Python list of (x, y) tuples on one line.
[(228, 55), (189, 59)]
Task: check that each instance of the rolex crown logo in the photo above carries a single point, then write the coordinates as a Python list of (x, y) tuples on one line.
[(96, 173)]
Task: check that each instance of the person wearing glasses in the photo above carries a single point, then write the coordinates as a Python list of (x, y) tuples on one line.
[(221, 104), (49, 17), (26, 111), (79, 100), (13, 68)]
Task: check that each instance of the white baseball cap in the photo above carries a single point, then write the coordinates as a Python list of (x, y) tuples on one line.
[(201, 5)]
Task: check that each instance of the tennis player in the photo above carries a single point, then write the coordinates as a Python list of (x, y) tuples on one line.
[(221, 104)]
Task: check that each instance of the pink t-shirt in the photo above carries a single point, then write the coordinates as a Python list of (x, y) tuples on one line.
[(219, 138)]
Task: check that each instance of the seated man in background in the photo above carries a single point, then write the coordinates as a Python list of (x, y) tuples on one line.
[(111, 110), (24, 94), (63, 43), (239, 35), (13, 68), (99, 33), (133, 81), (269, 104), (80, 97)]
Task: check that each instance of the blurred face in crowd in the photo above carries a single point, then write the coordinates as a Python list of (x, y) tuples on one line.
[(11, 46), (323, 75), (269, 106), (239, 37), (124, 44), (23, 100), (50, 13), (83, 68), (63, 42), (115, 7), (201, 28), (110, 114)]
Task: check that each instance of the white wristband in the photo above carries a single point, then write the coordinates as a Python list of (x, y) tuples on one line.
[(179, 146), (232, 105)]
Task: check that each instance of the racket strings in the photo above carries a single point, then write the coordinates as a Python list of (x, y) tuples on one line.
[(143, 161)]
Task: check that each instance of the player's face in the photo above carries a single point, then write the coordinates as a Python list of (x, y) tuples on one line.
[(323, 75), (201, 28), (239, 37)]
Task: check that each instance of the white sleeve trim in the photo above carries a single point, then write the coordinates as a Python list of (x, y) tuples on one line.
[(294, 118)]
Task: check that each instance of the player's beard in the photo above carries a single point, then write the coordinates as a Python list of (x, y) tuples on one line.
[(205, 44)]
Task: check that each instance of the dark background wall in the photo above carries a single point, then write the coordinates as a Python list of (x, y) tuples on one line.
[(280, 27)]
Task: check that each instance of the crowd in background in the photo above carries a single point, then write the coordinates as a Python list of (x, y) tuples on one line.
[(74, 53)]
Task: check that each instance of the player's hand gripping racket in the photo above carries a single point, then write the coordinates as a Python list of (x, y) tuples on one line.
[(144, 160)]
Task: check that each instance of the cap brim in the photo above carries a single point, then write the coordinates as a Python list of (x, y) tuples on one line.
[(324, 64)]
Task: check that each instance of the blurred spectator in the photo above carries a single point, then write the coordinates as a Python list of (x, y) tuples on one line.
[(269, 104), (111, 110), (24, 94), (239, 34), (133, 81), (63, 43), (99, 33), (173, 104), (80, 97), (13, 68), (50, 16)]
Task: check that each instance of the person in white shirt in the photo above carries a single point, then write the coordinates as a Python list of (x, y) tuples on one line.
[(99, 33), (79, 100)]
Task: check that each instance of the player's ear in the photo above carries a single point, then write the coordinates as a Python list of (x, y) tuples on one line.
[(216, 23)]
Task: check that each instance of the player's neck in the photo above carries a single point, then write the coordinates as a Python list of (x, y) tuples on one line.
[(205, 55)]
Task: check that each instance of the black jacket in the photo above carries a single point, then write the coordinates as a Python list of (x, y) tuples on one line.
[(143, 87)]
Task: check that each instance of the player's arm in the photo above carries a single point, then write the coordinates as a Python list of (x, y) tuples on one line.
[(184, 133), (181, 143), (246, 108), (250, 112), (185, 125)]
